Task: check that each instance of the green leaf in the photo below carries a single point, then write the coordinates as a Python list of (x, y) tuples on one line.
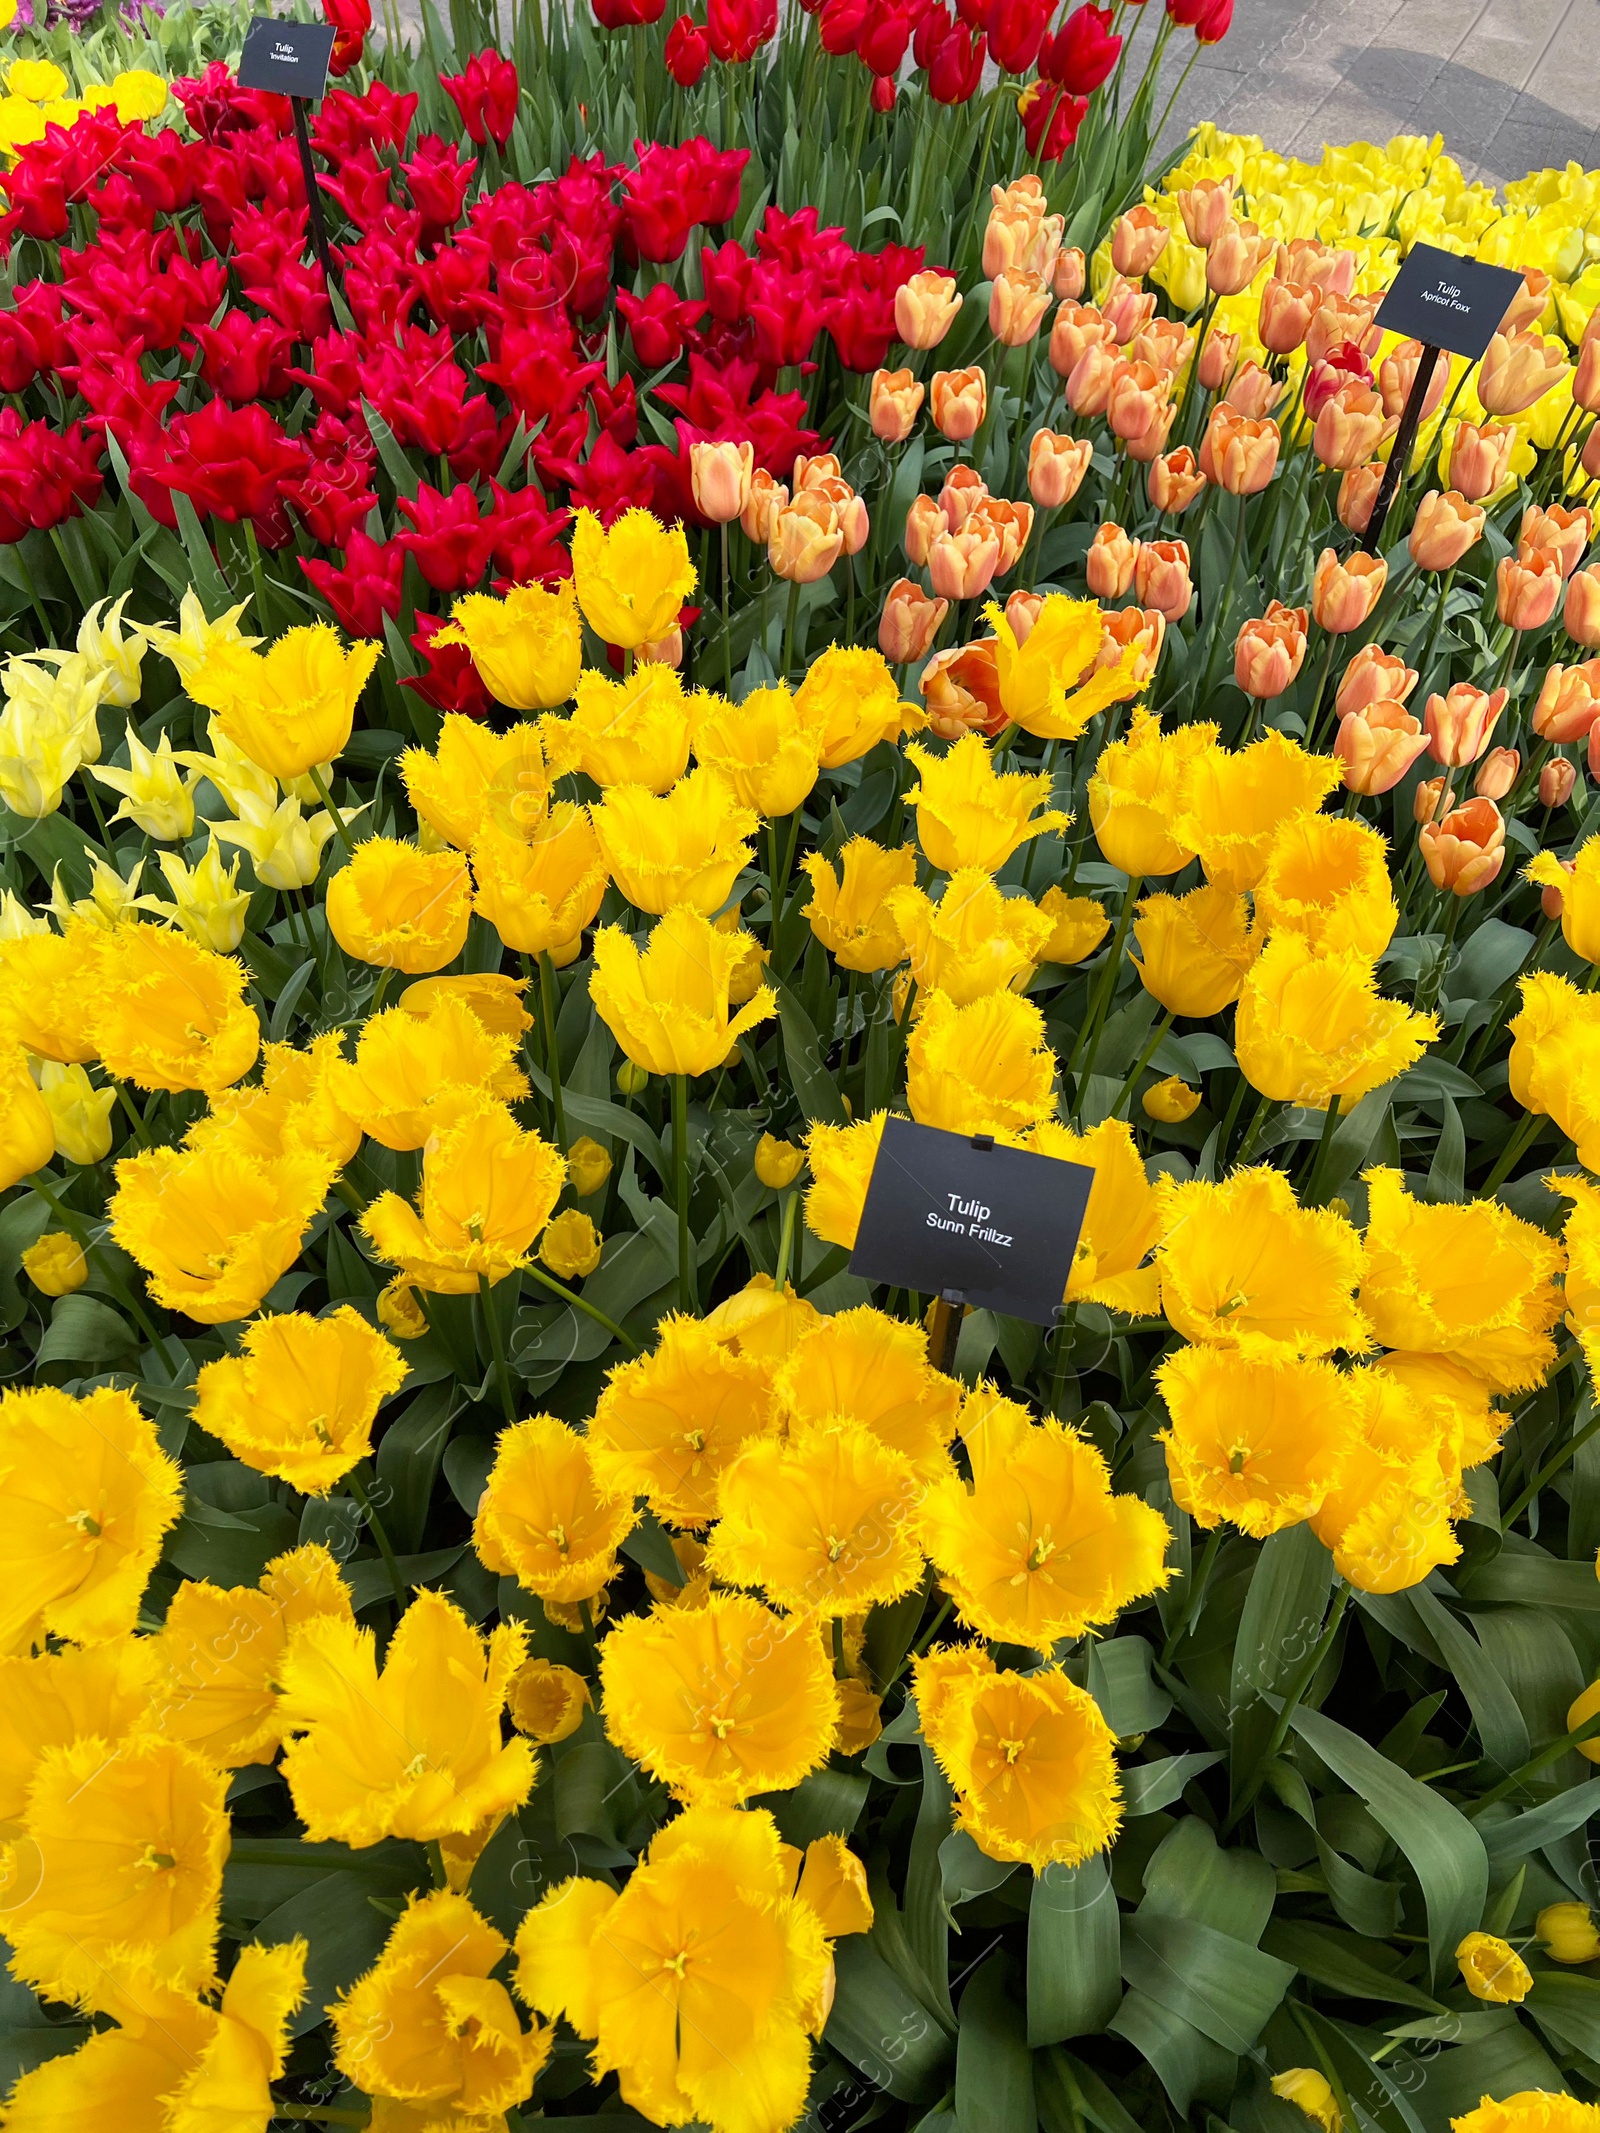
[(1118, 1676), (651, 1548), (409, 1456), (1567, 2008), (1284, 1608), (395, 463), (880, 2026), (1148, 1787), (994, 2072), (598, 1116), (1217, 1983), (815, 1090), (1186, 2063), (346, 1936), (1504, 2064), (1074, 1952), (966, 1871), (1501, 1727), (88, 1335), (1445, 1851), (827, 1803), (1191, 1876), (1521, 1835), (1533, 1579), (213, 588), (1343, 1962), (27, 2035)]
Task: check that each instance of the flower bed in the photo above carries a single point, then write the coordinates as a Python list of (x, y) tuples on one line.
[(780, 586)]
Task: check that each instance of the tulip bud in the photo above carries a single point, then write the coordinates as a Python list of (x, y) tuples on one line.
[(1217, 358), (766, 497), (1174, 481), (805, 540), (55, 1264), (960, 399), (1057, 464), (925, 308), (1234, 257), (1580, 617), (1497, 773), (1397, 373), (1140, 630), (1018, 301), (1517, 369), (1089, 387), (631, 1079), (1465, 851), (1589, 458), (893, 405), (1557, 531), (964, 489), (1358, 492), (1460, 723), (1269, 652), (1557, 780), (1076, 328), (1566, 1932), (1138, 240), (398, 1311), (1071, 275), (588, 1166), (1342, 320), (1432, 797), (1445, 527), (1526, 593), (1343, 595), (1205, 208), (1378, 745), (1480, 458), (777, 1163), (1286, 313), (909, 623), (1161, 578), (1349, 428), (721, 476), (1307, 259), (962, 565), (925, 521), (1569, 703), (1110, 563), (1166, 342), (1138, 397), (1170, 1102), (1529, 304), (1371, 676), (1009, 523)]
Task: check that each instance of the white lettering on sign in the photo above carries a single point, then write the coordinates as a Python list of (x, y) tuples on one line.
[(967, 1218), (1446, 295)]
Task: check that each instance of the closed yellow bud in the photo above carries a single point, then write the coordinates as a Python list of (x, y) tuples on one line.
[(79, 1112), (399, 1312), (56, 1263), (1566, 1930), (207, 901), (778, 1163), (631, 1079), (1491, 1969), (1308, 2090), (547, 1701), (588, 1166), (571, 1245)]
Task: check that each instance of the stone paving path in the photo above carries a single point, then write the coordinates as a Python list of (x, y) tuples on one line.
[(1511, 84)]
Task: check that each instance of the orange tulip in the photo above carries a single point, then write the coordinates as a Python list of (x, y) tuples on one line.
[(1022, 612), (963, 491), (1339, 319), (805, 539), (1217, 359), (1527, 591), (1138, 240), (1560, 532), (1460, 723), (1205, 207), (1057, 464), (1480, 458), (1586, 378), (1358, 492), (909, 623), (1128, 308), (1343, 595), (1269, 652), (1445, 527), (961, 689), (1254, 392), (1174, 480), (1139, 630), (1497, 773), (925, 521), (1089, 386), (1517, 369), (1161, 578), (1071, 274), (1371, 676), (1166, 342), (960, 400), (1076, 327), (1580, 617), (1238, 454), (1110, 563), (1529, 304), (1235, 257), (1397, 373), (1018, 301), (1009, 523), (1464, 852), (925, 308), (1137, 401), (720, 475), (1556, 781), (896, 400), (1287, 308), (1349, 428), (1378, 745), (1569, 703), (1432, 797), (962, 565), (766, 497), (1307, 259)]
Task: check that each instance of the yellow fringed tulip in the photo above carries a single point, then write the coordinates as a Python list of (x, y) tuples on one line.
[(849, 910), (543, 1517), (765, 746), (1195, 951), (171, 1015), (1388, 1518), (980, 1069), (1048, 682), (291, 708), (527, 648), (841, 1160), (668, 1005), (1312, 1030), (476, 777), (970, 815), (299, 1400), (1124, 1218), (1136, 794), (488, 1189), (540, 892), (850, 702), (1555, 1059), (971, 942), (401, 908), (412, 1073), (1256, 1441), (1243, 1265), (631, 578), (1492, 1970), (686, 847), (864, 1366), (1233, 806), (631, 732), (668, 1423)]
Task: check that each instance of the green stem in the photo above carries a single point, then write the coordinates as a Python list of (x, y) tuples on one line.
[(791, 1202), (357, 1489), (571, 1296), (497, 1348), (80, 1236), (1551, 1467), (1330, 1124), (1542, 1761), (1512, 1154), (1253, 1131), (552, 1055), (1199, 1581), (1291, 1703), (727, 627), (920, 1646), (1143, 1061), (1089, 1037), (788, 629), (140, 1129), (340, 826), (680, 1183)]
